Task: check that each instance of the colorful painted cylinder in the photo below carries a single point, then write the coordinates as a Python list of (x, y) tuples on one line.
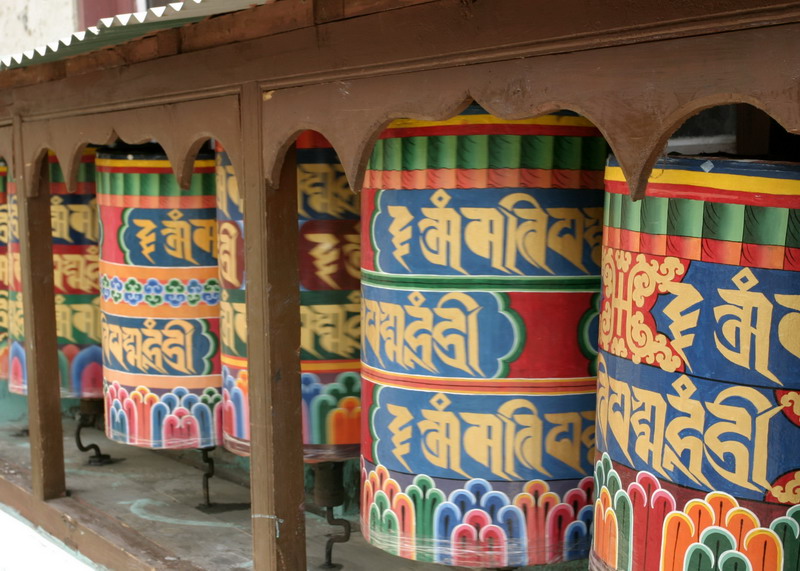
[(698, 407), (75, 232), (330, 303), (160, 295), (480, 279), (4, 269), (233, 318)]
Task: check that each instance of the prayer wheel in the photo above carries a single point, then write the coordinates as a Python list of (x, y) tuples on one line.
[(330, 303), (75, 235), (233, 318), (480, 278), (329, 238), (4, 276), (160, 294), (698, 403)]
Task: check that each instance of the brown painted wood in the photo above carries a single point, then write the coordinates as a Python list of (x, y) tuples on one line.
[(273, 340), (256, 22), (180, 128), (44, 399), (104, 539), (33, 75), (436, 34), (164, 44), (637, 95), (328, 10)]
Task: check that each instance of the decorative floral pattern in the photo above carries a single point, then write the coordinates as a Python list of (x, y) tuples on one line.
[(178, 418), (474, 525), (153, 293), (642, 528)]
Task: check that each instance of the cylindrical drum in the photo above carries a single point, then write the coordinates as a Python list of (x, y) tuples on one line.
[(75, 234), (330, 302), (4, 270), (233, 318), (160, 295), (480, 277), (698, 404)]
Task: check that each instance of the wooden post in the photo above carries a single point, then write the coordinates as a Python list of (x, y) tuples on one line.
[(44, 398), (273, 346)]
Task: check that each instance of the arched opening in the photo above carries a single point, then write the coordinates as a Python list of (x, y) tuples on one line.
[(160, 299), (14, 407), (161, 288), (67, 233), (75, 238)]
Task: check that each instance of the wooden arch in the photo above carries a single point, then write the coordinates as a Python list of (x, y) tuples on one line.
[(175, 126), (638, 96)]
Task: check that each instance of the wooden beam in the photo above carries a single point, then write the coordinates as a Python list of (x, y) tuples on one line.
[(442, 33), (44, 399), (273, 346)]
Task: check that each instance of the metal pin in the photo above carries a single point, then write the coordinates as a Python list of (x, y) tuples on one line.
[(278, 522)]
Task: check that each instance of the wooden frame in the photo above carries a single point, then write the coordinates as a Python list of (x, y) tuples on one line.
[(257, 78)]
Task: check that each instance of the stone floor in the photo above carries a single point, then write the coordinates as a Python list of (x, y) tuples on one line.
[(159, 496)]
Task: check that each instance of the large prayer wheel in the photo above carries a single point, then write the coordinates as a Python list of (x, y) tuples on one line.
[(698, 409), (75, 235), (480, 277), (4, 275), (330, 303), (160, 300), (233, 309)]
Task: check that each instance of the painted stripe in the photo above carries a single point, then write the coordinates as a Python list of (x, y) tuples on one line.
[(140, 201), (483, 178), (704, 250), (743, 167), (133, 380), (718, 187), (162, 274), (580, 385), (238, 362), (103, 164), (87, 156), (164, 311), (492, 129), (332, 366), (486, 119), (482, 283), (709, 194), (312, 140), (82, 187), (149, 170)]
